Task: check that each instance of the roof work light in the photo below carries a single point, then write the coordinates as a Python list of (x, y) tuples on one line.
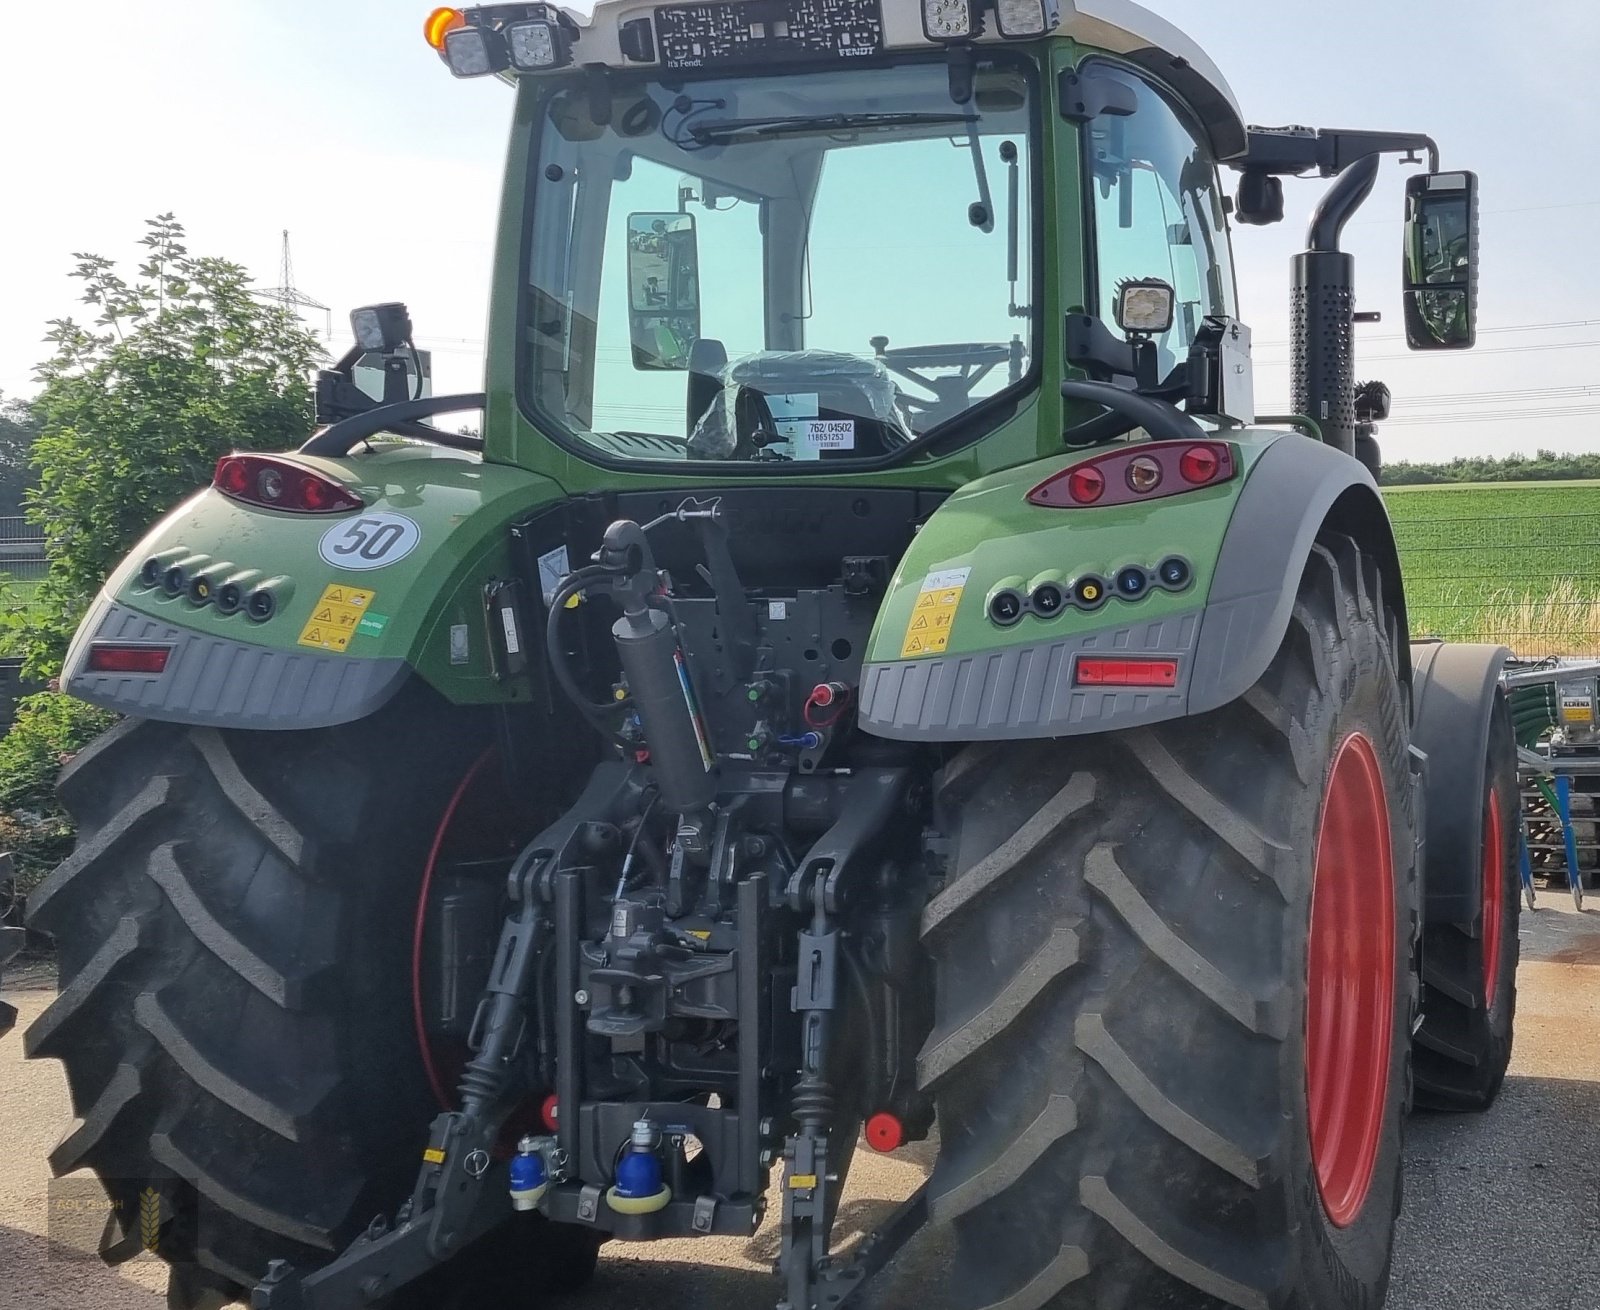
[(539, 42), (474, 51), (949, 20), (1020, 19)]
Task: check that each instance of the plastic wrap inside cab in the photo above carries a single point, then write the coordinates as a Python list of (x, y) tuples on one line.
[(800, 404)]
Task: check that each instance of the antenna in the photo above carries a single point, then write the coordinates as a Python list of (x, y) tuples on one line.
[(290, 296)]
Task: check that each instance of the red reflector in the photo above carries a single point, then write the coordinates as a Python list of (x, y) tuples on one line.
[(550, 1113), (278, 484), (107, 658), (885, 1132), (1125, 673)]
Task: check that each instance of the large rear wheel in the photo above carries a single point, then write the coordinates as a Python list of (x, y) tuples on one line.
[(1175, 986), (235, 931)]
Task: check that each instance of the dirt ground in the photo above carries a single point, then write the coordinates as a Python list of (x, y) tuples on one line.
[(1502, 1210)]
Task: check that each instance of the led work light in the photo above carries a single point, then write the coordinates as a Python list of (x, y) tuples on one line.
[(1146, 305), (537, 44), (948, 20), (1019, 19), (474, 51)]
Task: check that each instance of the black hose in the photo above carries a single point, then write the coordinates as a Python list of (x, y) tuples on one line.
[(592, 711)]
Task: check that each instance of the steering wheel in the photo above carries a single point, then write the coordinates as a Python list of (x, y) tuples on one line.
[(952, 392)]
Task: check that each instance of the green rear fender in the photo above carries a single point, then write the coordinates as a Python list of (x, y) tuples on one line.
[(357, 600), (944, 666)]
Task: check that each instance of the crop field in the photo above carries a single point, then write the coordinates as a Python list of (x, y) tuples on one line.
[(1517, 563)]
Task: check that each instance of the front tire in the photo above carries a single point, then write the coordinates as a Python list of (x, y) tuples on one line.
[(1131, 950), (234, 930)]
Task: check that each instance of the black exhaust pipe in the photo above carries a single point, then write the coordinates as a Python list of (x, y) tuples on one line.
[(1322, 312)]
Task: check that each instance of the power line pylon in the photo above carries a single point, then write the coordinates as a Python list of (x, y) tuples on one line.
[(290, 296)]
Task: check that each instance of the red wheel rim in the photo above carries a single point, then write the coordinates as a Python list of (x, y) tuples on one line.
[(1350, 984), (1494, 895), (431, 1058)]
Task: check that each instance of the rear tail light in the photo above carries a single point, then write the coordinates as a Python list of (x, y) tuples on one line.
[(111, 657), (278, 484), (1125, 673), (1148, 470)]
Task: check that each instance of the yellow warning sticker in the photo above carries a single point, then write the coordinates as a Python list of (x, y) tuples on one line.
[(335, 617), (928, 632), (433, 1155), (802, 1182)]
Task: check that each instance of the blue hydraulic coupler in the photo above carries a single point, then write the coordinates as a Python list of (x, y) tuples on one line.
[(639, 1188), (529, 1178)]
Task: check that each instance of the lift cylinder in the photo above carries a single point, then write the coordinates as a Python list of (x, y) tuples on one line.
[(658, 681), (1322, 343)]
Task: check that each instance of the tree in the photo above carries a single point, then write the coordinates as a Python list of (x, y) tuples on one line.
[(181, 366), (19, 425)]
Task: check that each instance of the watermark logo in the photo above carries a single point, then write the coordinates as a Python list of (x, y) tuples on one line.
[(150, 1220)]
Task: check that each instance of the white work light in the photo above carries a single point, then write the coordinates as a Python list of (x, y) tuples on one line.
[(535, 45), (948, 20), (1146, 305), (472, 52), (1024, 18)]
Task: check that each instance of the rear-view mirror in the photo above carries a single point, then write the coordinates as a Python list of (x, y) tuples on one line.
[(663, 289), (1441, 261)]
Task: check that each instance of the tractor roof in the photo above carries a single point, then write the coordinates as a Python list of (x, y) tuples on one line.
[(635, 35)]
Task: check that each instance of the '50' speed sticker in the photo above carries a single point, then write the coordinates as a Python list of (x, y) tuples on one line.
[(370, 541)]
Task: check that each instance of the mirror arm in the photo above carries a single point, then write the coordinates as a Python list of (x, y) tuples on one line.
[(341, 438)]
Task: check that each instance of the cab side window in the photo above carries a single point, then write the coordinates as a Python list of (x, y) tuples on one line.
[(1157, 208)]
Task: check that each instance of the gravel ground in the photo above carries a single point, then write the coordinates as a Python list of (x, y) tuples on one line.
[(1502, 1210)]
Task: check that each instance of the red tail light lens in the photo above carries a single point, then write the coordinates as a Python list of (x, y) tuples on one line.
[(108, 657), (1147, 470), (1125, 673), (278, 484), (1086, 485), (1198, 465)]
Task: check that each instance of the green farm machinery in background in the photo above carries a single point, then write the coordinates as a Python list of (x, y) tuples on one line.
[(875, 673)]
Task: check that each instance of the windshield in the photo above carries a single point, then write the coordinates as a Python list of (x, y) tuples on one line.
[(812, 266)]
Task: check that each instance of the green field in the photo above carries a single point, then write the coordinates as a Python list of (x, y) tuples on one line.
[(1516, 562)]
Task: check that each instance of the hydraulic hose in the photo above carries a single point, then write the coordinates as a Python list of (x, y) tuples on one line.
[(593, 711)]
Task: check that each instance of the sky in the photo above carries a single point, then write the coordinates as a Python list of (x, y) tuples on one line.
[(333, 119)]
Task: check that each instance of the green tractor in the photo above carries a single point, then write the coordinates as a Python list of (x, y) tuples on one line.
[(876, 672)]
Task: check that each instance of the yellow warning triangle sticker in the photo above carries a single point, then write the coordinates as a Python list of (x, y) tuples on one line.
[(315, 634), (334, 595), (921, 621), (324, 615)]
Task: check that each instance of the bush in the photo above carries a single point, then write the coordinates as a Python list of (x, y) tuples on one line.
[(183, 364), (49, 728)]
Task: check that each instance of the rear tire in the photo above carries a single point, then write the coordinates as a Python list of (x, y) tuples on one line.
[(1469, 971), (1123, 949), (234, 930)]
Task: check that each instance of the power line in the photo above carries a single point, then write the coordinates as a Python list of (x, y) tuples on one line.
[(1567, 325), (1497, 416)]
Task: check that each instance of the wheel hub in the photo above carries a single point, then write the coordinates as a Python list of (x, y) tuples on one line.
[(1350, 984)]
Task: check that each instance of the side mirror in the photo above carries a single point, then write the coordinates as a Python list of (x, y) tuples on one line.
[(663, 289), (1441, 261)]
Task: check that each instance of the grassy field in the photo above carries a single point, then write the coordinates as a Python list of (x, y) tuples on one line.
[(1517, 563)]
